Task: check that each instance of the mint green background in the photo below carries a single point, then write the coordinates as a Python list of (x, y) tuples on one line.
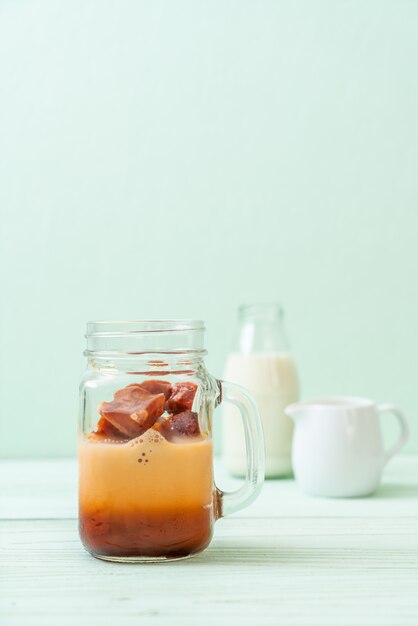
[(174, 159)]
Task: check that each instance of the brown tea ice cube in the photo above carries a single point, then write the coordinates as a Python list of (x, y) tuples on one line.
[(157, 386), (181, 398), (106, 430), (185, 424), (133, 410)]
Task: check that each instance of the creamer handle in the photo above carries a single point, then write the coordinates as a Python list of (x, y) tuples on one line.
[(403, 437)]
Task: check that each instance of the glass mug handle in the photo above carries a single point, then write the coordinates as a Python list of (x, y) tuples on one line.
[(403, 437), (229, 502)]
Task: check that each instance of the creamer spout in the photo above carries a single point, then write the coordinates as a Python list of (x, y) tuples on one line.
[(295, 410)]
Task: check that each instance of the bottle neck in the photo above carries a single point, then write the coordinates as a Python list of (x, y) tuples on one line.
[(260, 330)]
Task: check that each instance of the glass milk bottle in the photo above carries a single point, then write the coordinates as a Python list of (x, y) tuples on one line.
[(261, 362)]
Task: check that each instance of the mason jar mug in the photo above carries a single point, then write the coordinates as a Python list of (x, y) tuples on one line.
[(146, 486)]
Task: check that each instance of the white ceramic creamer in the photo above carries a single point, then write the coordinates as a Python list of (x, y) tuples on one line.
[(338, 446)]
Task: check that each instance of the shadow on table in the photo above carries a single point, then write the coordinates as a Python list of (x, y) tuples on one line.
[(320, 557), (396, 491), (242, 556)]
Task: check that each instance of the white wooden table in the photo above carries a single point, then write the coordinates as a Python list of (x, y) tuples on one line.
[(288, 559)]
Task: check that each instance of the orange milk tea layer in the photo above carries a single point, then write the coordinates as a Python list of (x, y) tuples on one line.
[(147, 474)]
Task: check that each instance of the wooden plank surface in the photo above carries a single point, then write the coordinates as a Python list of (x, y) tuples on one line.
[(289, 559)]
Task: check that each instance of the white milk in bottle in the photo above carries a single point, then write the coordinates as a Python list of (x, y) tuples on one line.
[(261, 362)]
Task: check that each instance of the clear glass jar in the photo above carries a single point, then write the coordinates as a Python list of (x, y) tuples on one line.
[(146, 488), (260, 361)]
